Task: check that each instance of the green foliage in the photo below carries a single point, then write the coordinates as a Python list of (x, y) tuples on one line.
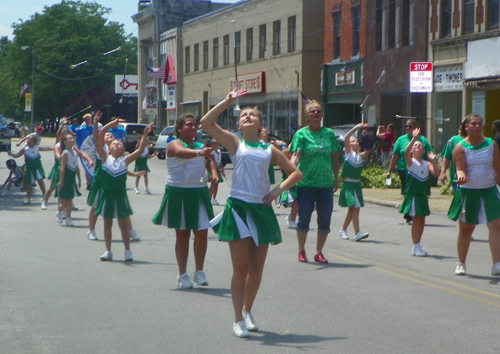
[(446, 189), (63, 34), (373, 177)]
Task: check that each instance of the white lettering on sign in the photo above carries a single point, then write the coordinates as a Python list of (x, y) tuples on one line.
[(253, 83), (421, 77)]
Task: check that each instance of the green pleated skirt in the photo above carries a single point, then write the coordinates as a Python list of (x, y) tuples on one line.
[(349, 193), (475, 206)]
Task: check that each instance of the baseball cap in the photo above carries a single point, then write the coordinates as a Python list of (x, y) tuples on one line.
[(39, 128)]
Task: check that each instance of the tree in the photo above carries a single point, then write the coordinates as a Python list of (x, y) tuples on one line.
[(65, 34)]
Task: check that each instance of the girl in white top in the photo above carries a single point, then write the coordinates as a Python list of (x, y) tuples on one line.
[(214, 186), (248, 222)]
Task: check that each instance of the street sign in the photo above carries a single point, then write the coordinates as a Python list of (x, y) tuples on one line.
[(421, 77)]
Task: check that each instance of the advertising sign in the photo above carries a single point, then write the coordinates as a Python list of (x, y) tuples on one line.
[(151, 99), (421, 77), (448, 79), (253, 83), (128, 86)]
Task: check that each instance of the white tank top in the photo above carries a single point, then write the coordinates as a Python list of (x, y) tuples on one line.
[(250, 182), (186, 173), (72, 162), (479, 167)]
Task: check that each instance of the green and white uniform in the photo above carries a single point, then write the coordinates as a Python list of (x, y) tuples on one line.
[(186, 201), (34, 168), (70, 189), (478, 200), (448, 154), (96, 181), (141, 164), (245, 214), (351, 193), (288, 196), (54, 175), (112, 200), (415, 202)]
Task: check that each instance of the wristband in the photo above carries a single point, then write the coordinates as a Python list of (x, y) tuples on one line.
[(198, 153)]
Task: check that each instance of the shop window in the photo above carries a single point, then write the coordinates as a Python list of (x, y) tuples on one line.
[(336, 34)]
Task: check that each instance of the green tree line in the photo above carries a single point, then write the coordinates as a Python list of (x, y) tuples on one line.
[(64, 34)]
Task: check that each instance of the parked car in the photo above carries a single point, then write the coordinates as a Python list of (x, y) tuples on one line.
[(5, 144), (225, 159), (132, 131), (161, 141)]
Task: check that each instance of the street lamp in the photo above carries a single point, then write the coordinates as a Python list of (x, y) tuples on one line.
[(32, 85)]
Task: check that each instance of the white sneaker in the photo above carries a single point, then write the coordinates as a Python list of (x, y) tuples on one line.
[(183, 281), (6, 194), (107, 256), (63, 214), (136, 191), (240, 330), (418, 251), (128, 256), (250, 322), (27, 201), (460, 269), (69, 222), (73, 206), (91, 235), (200, 278), (216, 202), (291, 224), (44, 205), (133, 236), (360, 236), (495, 270), (343, 234), (147, 190), (59, 217)]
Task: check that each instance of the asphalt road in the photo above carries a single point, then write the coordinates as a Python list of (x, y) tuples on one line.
[(56, 296)]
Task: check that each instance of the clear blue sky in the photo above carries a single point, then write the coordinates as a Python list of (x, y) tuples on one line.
[(11, 11)]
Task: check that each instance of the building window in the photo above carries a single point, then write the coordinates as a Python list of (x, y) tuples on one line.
[(493, 14), (226, 50), (355, 30), (468, 24), (187, 59), (292, 34), (446, 16), (262, 41), (336, 34), (237, 43), (196, 54), (249, 44), (276, 37), (392, 25), (379, 25), (216, 52), (406, 22), (205, 55)]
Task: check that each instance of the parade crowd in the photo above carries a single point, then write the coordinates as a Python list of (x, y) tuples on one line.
[(311, 172)]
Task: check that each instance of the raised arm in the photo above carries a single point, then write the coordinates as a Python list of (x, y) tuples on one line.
[(433, 167), (144, 142), (227, 139), (99, 148), (416, 133), (347, 138)]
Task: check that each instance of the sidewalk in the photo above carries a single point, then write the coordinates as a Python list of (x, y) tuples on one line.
[(393, 198)]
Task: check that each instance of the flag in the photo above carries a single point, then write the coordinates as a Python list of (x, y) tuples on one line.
[(170, 76), (305, 100), (155, 73), (24, 87)]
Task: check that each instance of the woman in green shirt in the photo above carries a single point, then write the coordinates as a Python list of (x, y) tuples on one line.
[(317, 151)]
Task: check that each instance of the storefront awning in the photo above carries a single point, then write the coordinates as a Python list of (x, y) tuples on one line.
[(483, 84)]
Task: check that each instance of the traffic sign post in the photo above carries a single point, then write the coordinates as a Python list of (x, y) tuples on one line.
[(421, 77)]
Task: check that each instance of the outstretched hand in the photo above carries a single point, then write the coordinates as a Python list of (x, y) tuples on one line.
[(97, 117), (231, 96), (416, 132)]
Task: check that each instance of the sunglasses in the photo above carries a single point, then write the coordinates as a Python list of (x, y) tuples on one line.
[(409, 126), (314, 111)]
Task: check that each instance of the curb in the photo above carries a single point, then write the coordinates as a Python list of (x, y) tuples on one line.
[(383, 203)]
